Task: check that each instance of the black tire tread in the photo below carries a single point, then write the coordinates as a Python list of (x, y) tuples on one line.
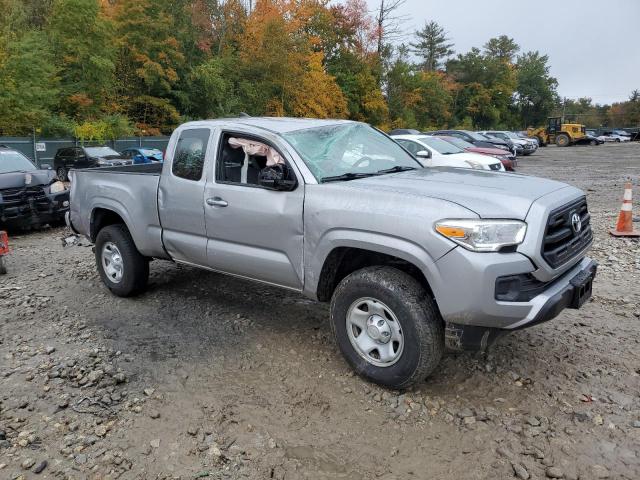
[(430, 332), (135, 281)]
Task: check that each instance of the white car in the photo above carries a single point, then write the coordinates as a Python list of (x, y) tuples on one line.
[(616, 136), (435, 152)]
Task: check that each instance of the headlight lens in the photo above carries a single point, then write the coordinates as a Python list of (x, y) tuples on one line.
[(104, 162), (483, 235), (475, 165), (56, 187)]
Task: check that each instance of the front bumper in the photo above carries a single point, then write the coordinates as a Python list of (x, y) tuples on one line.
[(34, 211), (480, 325)]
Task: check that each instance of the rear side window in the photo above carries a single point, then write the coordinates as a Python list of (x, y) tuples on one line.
[(188, 161)]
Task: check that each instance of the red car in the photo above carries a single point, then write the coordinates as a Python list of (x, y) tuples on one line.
[(508, 159)]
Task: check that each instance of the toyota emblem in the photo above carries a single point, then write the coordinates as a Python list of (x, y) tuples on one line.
[(576, 223)]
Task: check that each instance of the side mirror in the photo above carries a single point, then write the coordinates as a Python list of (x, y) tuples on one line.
[(277, 177), (423, 154)]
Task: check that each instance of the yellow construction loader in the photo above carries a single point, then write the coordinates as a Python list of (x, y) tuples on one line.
[(558, 132)]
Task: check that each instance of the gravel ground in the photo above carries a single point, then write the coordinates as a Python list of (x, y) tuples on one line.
[(210, 376)]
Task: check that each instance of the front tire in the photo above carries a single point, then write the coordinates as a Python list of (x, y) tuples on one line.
[(387, 326), (121, 267)]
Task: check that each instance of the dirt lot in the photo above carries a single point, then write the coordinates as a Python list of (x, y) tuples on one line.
[(209, 376)]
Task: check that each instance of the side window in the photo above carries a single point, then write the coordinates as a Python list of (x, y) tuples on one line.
[(411, 146), (241, 158), (79, 153), (188, 161)]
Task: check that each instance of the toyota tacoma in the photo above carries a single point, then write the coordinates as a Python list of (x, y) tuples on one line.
[(412, 260)]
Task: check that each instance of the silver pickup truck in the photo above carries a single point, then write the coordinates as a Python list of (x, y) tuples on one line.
[(412, 259)]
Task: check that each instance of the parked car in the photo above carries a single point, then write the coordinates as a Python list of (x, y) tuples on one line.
[(523, 146), (29, 196), (434, 152), (411, 259), (477, 139), (404, 131), (508, 159), (142, 155), (524, 135), (614, 137), (86, 157), (590, 139)]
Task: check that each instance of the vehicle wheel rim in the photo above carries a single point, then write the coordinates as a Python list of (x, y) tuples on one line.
[(375, 332), (112, 263), (61, 173)]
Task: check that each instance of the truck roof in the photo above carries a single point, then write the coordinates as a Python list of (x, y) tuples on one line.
[(273, 124)]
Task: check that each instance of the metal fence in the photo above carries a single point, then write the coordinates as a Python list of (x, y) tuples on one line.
[(42, 150)]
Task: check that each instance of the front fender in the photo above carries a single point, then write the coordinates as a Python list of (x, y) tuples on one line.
[(375, 242)]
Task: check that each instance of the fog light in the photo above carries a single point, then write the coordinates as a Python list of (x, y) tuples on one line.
[(65, 203)]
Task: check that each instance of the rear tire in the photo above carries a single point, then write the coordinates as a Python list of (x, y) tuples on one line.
[(121, 267), (388, 300), (562, 140)]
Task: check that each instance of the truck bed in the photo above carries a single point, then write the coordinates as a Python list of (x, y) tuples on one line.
[(130, 191), (141, 169)]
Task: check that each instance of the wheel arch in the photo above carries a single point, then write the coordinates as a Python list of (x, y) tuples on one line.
[(340, 258), (103, 216)]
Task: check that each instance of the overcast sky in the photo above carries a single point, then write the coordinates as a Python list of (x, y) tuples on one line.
[(593, 46)]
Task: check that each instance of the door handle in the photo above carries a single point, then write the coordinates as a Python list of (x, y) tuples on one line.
[(216, 202)]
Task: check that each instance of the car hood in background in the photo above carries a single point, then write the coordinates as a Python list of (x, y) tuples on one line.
[(472, 157), (19, 179), (487, 151), (489, 194)]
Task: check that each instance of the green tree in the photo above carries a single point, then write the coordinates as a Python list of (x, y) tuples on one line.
[(502, 48), (29, 84), (432, 46), (83, 47), (536, 91), (485, 93), (212, 91)]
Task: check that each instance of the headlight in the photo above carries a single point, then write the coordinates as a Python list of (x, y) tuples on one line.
[(503, 147), (103, 162), (483, 235), (56, 187), (475, 165)]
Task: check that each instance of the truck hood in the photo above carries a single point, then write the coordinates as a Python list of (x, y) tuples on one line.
[(19, 179), (488, 194)]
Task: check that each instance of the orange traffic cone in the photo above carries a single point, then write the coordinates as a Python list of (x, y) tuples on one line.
[(624, 227)]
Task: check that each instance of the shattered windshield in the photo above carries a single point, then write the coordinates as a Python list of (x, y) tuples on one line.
[(15, 162), (349, 150)]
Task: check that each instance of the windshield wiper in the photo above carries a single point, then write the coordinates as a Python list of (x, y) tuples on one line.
[(397, 168), (346, 176)]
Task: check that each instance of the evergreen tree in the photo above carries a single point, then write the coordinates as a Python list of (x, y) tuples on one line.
[(432, 47)]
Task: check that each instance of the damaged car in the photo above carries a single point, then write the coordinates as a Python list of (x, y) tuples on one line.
[(411, 260), (29, 196)]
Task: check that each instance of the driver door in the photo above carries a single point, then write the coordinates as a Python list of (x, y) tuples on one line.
[(252, 231)]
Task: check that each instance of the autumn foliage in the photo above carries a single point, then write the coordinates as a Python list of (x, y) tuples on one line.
[(95, 66)]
